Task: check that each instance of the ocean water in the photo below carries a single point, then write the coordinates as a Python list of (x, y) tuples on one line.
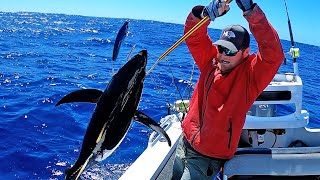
[(46, 56)]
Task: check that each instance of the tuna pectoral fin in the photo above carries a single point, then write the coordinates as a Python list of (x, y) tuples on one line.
[(144, 119), (84, 95)]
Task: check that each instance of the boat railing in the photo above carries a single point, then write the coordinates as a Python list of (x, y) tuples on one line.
[(284, 89), (166, 123)]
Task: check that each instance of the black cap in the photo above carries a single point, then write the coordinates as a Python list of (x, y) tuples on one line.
[(234, 37)]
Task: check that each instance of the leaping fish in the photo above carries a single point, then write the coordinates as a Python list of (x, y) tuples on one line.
[(115, 109), (122, 33)]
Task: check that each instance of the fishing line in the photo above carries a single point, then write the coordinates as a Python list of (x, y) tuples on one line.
[(158, 88), (176, 86), (174, 83), (129, 55), (112, 68), (190, 81), (170, 107)]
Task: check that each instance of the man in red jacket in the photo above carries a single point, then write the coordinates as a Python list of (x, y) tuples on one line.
[(231, 79)]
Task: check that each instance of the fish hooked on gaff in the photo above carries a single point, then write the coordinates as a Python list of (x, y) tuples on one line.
[(115, 109)]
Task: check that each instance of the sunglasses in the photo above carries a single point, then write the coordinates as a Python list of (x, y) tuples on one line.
[(226, 51)]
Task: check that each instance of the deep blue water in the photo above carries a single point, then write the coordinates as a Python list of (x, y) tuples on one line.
[(45, 56)]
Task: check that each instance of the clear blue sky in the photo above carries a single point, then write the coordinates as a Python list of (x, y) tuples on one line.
[(304, 15)]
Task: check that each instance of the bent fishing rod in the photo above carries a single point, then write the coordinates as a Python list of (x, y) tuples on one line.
[(184, 37)]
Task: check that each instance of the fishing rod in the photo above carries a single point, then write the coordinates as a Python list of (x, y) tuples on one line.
[(184, 37), (293, 51)]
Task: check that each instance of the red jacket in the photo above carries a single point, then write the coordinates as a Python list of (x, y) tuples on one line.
[(219, 103)]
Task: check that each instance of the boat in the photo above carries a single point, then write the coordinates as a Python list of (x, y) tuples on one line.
[(272, 145)]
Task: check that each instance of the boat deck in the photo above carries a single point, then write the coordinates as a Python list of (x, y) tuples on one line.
[(167, 172)]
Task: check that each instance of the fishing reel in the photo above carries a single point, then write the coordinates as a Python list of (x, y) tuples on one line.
[(294, 52), (181, 106)]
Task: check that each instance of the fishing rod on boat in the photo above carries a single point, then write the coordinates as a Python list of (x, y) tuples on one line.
[(293, 51), (184, 37)]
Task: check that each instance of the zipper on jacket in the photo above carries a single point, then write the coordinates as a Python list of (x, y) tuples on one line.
[(206, 95), (204, 108), (205, 104), (230, 134), (213, 70), (207, 88)]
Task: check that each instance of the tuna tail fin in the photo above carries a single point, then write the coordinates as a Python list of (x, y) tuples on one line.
[(73, 173)]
